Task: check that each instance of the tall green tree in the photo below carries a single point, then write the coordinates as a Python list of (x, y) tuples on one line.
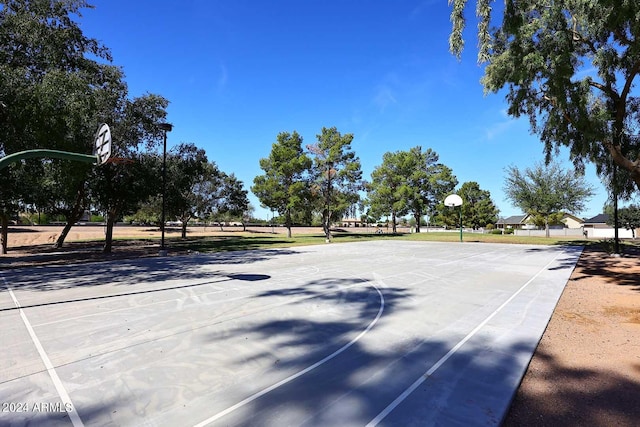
[(187, 169), (118, 188), (235, 201), (385, 192), (73, 104), (337, 175), (49, 82), (427, 185), (478, 210), (546, 190), (544, 52), (285, 181)]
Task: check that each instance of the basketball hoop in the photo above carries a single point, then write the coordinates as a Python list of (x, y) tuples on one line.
[(102, 144)]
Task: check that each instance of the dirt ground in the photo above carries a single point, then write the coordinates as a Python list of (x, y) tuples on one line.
[(585, 371)]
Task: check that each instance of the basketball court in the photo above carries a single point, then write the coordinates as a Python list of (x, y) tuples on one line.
[(371, 333)]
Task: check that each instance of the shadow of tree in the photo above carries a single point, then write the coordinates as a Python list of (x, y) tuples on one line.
[(91, 251), (562, 263), (328, 376), (611, 399), (133, 271), (596, 262), (225, 244), (352, 380)]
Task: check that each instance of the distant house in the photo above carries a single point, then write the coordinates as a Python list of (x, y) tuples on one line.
[(352, 222), (572, 221), (516, 222), (598, 221), (525, 222), (598, 227)]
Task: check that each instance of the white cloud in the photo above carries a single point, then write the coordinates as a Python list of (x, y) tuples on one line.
[(384, 97), (420, 8), (498, 128), (223, 77)]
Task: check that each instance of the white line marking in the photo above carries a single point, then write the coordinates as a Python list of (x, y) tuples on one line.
[(451, 352), (298, 374), (133, 307), (62, 392)]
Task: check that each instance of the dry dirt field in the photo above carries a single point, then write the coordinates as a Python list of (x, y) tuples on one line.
[(586, 369)]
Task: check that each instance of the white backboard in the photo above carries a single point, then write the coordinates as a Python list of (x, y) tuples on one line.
[(102, 147), (453, 200)]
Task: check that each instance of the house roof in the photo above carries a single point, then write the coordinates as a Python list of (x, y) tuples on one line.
[(514, 219), (575, 218), (598, 219), (521, 219)]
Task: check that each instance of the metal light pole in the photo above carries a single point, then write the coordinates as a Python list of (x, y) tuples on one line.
[(460, 209), (166, 127)]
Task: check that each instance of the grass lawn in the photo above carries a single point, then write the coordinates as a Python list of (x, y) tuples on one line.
[(247, 241)]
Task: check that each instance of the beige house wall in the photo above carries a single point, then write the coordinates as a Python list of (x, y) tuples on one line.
[(572, 222)]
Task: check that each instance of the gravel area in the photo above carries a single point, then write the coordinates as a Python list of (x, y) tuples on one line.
[(586, 369)]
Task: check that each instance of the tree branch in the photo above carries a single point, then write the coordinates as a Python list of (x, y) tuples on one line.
[(606, 89), (632, 74)]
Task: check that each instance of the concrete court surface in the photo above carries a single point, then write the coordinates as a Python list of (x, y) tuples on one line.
[(373, 333)]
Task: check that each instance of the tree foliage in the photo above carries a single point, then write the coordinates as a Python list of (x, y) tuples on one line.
[(119, 188), (285, 183), (385, 191), (478, 210), (50, 90), (628, 217), (570, 66), (187, 170), (408, 182), (234, 197), (336, 174), (427, 183), (546, 190)]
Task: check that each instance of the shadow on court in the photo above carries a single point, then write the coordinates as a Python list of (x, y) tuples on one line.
[(356, 384), (133, 271)]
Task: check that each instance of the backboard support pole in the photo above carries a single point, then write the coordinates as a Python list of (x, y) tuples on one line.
[(54, 154)]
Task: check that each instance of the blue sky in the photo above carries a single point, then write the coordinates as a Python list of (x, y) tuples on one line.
[(238, 72)]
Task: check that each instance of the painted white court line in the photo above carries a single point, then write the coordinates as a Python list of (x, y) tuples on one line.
[(501, 253), (191, 328), (136, 307), (382, 415), (62, 392), (192, 297), (300, 373)]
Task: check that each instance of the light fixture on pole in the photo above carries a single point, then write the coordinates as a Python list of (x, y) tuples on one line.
[(452, 201), (166, 127)]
